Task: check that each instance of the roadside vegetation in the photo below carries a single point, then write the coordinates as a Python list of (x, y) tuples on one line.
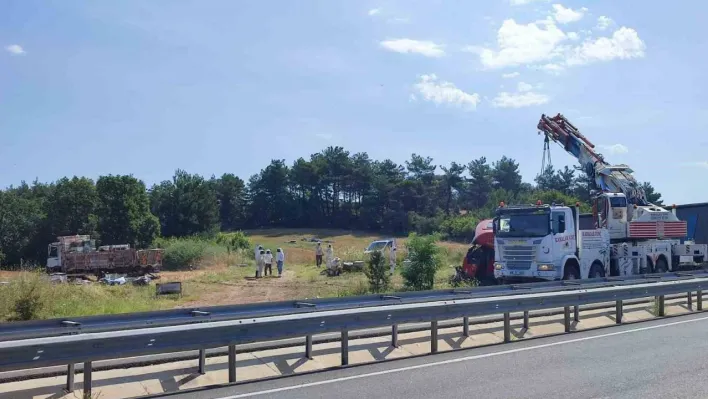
[(219, 270), (208, 227), (31, 296)]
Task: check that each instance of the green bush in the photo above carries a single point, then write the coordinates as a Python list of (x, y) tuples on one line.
[(424, 224), (234, 241), (183, 253), (460, 227), (28, 303), (377, 272), (188, 252), (425, 260)]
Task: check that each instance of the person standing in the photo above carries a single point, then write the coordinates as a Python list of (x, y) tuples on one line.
[(268, 261), (261, 264), (280, 260), (330, 256), (318, 254), (257, 257)]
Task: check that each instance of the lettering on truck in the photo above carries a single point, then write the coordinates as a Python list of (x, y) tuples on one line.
[(566, 238), (591, 233)]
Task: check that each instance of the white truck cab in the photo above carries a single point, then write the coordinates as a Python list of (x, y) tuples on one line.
[(543, 242)]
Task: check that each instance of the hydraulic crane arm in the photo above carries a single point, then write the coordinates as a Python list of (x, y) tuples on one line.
[(605, 177)]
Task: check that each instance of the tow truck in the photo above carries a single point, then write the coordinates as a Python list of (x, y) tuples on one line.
[(630, 235)]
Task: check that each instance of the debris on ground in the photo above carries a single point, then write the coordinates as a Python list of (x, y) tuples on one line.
[(58, 278), (112, 279)]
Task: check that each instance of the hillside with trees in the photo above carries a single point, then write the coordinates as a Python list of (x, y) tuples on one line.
[(332, 189)]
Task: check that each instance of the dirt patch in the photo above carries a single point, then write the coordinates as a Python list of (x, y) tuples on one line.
[(250, 290), (8, 275)]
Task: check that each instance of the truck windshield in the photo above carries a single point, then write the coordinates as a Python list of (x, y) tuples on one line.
[(523, 225)]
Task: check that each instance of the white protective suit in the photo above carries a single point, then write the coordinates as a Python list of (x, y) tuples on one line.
[(260, 263), (329, 256), (257, 257)]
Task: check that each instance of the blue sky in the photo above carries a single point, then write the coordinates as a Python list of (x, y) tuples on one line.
[(145, 87)]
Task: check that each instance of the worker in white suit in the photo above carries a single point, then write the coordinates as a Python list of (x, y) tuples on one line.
[(329, 256), (257, 254)]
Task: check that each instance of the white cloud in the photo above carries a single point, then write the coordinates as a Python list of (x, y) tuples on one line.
[(567, 15), (614, 149), (624, 44), (524, 97), (424, 47), (374, 11), (522, 44), (603, 22), (441, 92), (543, 45), (553, 69), (519, 100), (524, 87), (510, 75), (15, 49)]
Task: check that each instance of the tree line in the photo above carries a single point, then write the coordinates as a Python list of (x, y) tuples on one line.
[(332, 189)]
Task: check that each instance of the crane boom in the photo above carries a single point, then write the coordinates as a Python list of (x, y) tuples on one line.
[(605, 177)]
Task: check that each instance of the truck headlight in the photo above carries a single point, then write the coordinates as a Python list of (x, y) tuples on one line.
[(498, 266), (545, 268)]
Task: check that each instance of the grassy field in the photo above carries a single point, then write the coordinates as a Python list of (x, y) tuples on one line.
[(217, 275)]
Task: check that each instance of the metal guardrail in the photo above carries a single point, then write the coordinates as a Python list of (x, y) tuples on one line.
[(72, 349), (104, 323)]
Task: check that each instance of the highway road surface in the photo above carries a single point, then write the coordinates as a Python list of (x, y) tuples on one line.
[(663, 358)]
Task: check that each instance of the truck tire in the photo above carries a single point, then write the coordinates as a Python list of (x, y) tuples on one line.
[(571, 271), (661, 266), (596, 270)]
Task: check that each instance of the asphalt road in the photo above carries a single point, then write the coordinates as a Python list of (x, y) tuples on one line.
[(664, 358)]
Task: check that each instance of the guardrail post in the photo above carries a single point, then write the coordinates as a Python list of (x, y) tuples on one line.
[(88, 381), (232, 363), (507, 327), (308, 347), (466, 326), (526, 319), (345, 347), (699, 300), (394, 335), (566, 318), (618, 312), (434, 336), (202, 361), (70, 373), (576, 313), (661, 305), (689, 300)]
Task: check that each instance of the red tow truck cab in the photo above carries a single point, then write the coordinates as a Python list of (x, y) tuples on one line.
[(479, 261)]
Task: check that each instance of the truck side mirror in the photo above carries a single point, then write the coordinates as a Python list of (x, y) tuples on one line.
[(561, 225)]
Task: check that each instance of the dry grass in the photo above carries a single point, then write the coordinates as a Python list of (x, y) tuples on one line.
[(41, 299), (226, 277)]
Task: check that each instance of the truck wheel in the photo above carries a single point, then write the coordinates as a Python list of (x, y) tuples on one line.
[(596, 270), (661, 266), (571, 272)]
